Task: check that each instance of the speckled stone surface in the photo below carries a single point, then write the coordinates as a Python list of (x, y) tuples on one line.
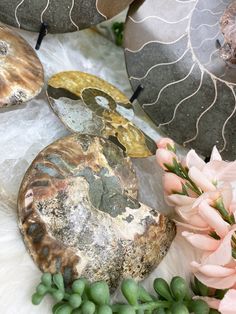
[(189, 90), (89, 105), (21, 72), (79, 215), (61, 15)]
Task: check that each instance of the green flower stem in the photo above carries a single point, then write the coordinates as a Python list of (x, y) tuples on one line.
[(224, 213), (182, 172)]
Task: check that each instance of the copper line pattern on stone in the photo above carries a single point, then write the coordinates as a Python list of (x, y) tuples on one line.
[(185, 31)]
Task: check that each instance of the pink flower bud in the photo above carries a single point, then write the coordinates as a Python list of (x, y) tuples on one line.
[(165, 157), (172, 183), (166, 143)]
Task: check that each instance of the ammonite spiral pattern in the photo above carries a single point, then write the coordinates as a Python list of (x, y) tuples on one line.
[(79, 215), (171, 48), (21, 73), (89, 105), (61, 15)]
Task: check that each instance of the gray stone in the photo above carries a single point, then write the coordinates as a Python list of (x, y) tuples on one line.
[(189, 90), (61, 15)]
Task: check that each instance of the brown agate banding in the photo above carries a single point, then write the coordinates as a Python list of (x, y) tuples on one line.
[(79, 215), (21, 73), (89, 105)]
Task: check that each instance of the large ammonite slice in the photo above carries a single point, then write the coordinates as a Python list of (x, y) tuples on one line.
[(175, 48), (21, 73), (89, 105), (61, 16), (79, 215)]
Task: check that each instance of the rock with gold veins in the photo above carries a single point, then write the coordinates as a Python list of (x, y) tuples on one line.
[(21, 73), (89, 105), (79, 214)]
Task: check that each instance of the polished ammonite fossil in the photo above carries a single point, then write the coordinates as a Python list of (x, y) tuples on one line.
[(21, 73), (79, 214), (87, 104), (61, 16)]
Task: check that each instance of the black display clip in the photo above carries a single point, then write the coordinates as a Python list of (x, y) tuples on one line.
[(136, 93), (42, 33)]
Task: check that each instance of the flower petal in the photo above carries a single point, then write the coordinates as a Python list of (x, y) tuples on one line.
[(212, 302), (228, 304), (200, 241), (214, 271), (217, 283), (191, 227), (201, 180), (165, 156), (214, 219), (164, 142), (191, 216), (172, 183), (215, 155), (220, 171), (180, 200), (193, 160), (223, 255)]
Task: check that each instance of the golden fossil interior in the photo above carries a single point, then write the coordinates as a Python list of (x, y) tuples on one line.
[(89, 105)]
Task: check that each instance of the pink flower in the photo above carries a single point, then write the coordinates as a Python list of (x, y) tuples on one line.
[(226, 306), (201, 180), (201, 241), (172, 183), (165, 157), (217, 268), (166, 143), (197, 213), (212, 217), (216, 171)]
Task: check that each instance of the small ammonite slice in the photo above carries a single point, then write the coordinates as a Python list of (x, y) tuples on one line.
[(89, 105), (61, 16), (79, 215), (21, 73)]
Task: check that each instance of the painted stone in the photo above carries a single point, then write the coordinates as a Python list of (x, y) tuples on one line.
[(79, 215), (61, 15), (21, 73), (89, 105), (172, 49)]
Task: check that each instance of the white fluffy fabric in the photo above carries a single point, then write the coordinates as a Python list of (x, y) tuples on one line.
[(27, 129)]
